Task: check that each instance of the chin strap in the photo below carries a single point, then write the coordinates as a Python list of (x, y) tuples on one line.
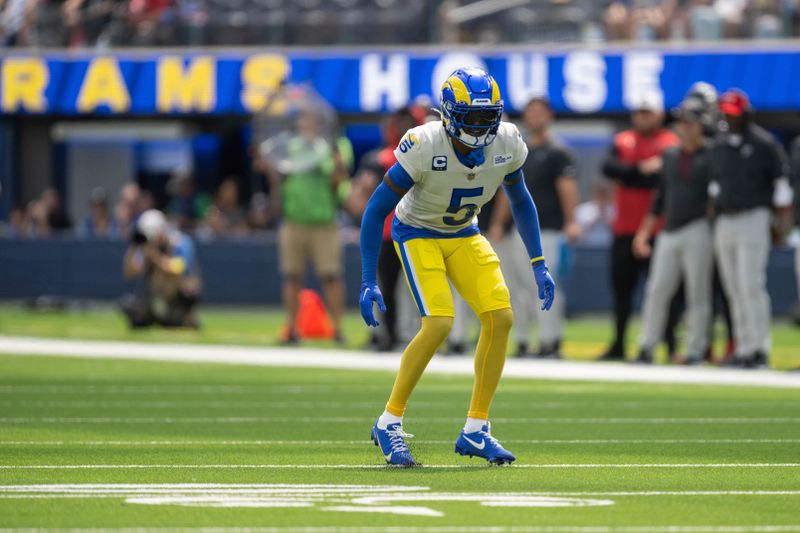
[(474, 158)]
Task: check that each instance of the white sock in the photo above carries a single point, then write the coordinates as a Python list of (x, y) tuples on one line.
[(388, 418), (474, 424)]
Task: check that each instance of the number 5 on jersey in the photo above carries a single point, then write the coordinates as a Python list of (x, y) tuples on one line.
[(456, 206)]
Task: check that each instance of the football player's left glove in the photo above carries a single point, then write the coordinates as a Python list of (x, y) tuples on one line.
[(370, 293), (547, 287)]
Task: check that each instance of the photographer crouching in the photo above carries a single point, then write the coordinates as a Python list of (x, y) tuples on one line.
[(163, 258)]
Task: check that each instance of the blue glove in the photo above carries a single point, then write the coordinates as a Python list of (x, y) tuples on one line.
[(368, 294), (547, 287)]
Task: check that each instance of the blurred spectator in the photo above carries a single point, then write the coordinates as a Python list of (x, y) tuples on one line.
[(364, 182), (79, 23), (99, 223), (596, 215), (127, 210), (16, 223), (225, 217), (57, 219), (633, 165), (186, 205), (732, 13), (144, 17), (41, 217), (15, 19), (164, 259), (259, 216), (145, 201)]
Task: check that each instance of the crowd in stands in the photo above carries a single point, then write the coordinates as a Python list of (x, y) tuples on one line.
[(206, 216), (104, 23)]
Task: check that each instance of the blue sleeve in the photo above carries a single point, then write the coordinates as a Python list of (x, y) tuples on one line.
[(380, 204), (524, 212), (400, 177)]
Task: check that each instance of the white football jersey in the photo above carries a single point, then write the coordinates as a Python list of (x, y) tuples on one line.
[(447, 196)]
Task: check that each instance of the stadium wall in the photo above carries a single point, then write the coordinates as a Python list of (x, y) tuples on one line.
[(247, 273)]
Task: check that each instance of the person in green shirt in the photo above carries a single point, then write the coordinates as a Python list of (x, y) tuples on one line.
[(307, 184)]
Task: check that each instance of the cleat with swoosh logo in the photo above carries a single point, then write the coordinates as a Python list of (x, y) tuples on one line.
[(482, 444), (392, 444)]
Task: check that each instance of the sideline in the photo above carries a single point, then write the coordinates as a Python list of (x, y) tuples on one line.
[(351, 360)]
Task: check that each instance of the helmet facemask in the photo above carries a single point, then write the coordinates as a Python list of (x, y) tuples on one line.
[(476, 126)]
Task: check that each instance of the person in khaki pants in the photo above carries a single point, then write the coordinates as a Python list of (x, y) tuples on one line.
[(308, 196)]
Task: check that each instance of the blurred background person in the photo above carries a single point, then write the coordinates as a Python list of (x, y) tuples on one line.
[(389, 267), (633, 165), (307, 183), (259, 215), (550, 176), (162, 259), (683, 247), (57, 219), (225, 217), (596, 215), (750, 171), (99, 223), (126, 211), (186, 206), (795, 237)]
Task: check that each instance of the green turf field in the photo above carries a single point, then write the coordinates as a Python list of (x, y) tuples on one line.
[(585, 338), (215, 445)]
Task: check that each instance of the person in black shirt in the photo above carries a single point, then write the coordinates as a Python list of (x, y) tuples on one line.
[(747, 164), (795, 166), (683, 248), (550, 175)]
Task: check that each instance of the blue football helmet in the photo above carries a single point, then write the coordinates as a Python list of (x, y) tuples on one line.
[(471, 107)]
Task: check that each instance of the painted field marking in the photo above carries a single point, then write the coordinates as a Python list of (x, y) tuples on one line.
[(321, 419), (349, 360), (435, 529), (363, 441), (371, 466), (329, 497), (384, 499), (115, 489), (260, 403)]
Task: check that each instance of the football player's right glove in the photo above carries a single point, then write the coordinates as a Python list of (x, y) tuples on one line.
[(370, 293), (547, 287)]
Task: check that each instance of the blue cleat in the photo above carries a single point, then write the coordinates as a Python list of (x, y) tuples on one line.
[(482, 444), (392, 444)]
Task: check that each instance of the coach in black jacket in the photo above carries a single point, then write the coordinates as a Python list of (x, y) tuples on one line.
[(747, 163)]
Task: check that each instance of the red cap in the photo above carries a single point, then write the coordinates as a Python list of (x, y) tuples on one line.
[(734, 102)]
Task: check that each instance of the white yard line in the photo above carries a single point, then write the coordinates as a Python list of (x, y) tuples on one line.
[(370, 466), (434, 529), (378, 491), (339, 419), (321, 402), (180, 443), (318, 358)]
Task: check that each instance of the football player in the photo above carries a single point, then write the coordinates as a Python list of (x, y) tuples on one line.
[(445, 171)]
